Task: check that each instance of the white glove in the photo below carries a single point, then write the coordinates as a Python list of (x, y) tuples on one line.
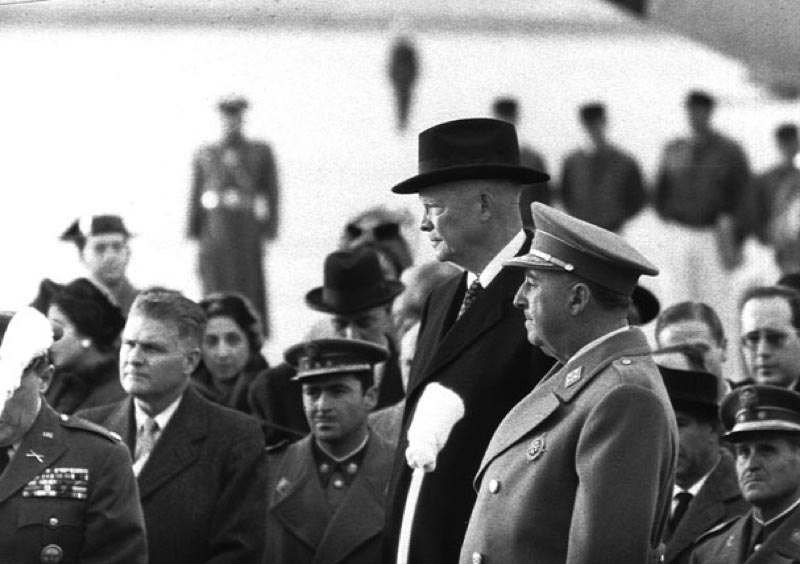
[(28, 335), (438, 410)]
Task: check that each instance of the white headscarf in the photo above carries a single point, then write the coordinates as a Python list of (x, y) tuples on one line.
[(28, 335)]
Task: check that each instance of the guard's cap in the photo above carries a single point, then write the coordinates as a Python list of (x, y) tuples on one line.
[(565, 243), (233, 104), (700, 99), (94, 225), (758, 408), (691, 390), (592, 112), (323, 357)]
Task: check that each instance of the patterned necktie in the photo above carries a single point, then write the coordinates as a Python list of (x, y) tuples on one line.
[(146, 438), (684, 498), (472, 294)]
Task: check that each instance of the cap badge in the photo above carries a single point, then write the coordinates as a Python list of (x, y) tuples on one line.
[(536, 449), (573, 377), (283, 487), (748, 399)]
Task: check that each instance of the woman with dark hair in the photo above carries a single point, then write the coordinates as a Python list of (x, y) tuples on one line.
[(231, 350), (86, 357)]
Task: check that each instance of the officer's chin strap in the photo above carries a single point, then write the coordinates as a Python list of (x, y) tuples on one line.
[(28, 335), (437, 412)]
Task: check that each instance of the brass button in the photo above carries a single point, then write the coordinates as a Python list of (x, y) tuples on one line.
[(53, 521), (494, 486), (477, 558), (626, 361), (338, 484)]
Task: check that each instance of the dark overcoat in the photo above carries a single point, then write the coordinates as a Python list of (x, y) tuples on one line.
[(729, 543), (718, 501), (202, 489), (581, 471), (94, 516), (485, 357), (301, 527)]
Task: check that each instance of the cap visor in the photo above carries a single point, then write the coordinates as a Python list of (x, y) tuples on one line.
[(531, 261)]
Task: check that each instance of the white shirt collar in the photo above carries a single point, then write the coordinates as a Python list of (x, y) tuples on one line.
[(162, 418), (695, 488), (592, 344), (496, 264)]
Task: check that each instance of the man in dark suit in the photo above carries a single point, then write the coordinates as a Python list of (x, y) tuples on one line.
[(359, 300), (581, 470), (472, 353), (200, 466), (67, 492), (706, 491), (327, 492), (763, 423)]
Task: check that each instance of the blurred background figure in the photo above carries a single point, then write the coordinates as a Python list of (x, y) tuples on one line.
[(403, 74), (381, 229), (698, 325), (776, 212), (102, 242), (419, 281), (231, 351), (601, 183), (234, 209), (86, 357), (507, 109), (644, 306)]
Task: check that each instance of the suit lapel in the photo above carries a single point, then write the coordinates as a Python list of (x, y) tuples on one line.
[(179, 445), (708, 508), (42, 445), (298, 501), (360, 516)]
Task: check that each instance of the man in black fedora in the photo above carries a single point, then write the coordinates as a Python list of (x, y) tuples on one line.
[(706, 491), (359, 300), (473, 361)]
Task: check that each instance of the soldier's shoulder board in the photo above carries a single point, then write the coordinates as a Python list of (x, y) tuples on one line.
[(72, 422)]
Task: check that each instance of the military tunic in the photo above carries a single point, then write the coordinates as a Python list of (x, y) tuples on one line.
[(69, 496), (233, 210)]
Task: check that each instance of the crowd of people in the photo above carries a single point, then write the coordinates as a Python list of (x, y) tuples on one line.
[(498, 404)]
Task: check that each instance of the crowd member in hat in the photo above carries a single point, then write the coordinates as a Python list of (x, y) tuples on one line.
[(706, 491), (776, 208), (67, 492), (507, 109), (763, 424), (86, 358), (698, 325), (231, 351), (326, 492), (581, 470), (701, 189), (359, 301), (102, 242), (770, 318), (200, 466), (234, 209), (601, 183), (472, 361)]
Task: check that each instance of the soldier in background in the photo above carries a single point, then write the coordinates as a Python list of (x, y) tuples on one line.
[(403, 74), (507, 109), (234, 209)]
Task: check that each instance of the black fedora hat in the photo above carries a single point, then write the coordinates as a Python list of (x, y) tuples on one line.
[(466, 149), (691, 390), (353, 282), (646, 304)]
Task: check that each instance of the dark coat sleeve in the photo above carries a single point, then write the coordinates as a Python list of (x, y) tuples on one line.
[(115, 530)]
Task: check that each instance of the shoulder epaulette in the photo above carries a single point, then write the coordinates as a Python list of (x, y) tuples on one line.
[(84, 425)]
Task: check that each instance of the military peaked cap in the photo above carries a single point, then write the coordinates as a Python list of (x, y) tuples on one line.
[(325, 357), (759, 408)]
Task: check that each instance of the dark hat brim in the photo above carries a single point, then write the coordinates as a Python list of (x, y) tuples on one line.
[(314, 300), (523, 175), (646, 303)]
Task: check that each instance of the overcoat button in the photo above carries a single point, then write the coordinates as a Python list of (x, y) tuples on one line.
[(51, 554), (53, 521), (477, 558), (626, 361), (494, 486)]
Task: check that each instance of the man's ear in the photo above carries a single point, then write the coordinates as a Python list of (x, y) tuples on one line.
[(46, 378), (191, 360), (578, 298), (371, 397)]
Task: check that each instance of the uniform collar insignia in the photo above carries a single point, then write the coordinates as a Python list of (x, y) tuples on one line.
[(573, 377)]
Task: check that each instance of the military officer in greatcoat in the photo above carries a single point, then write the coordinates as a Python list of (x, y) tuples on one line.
[(763, 423), (581, 470), (327, 492), (67, 490)]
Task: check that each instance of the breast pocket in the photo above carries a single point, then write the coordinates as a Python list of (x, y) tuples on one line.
[(53, 528)]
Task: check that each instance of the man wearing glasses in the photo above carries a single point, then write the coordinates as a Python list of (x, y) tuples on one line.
[(770, 316)]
